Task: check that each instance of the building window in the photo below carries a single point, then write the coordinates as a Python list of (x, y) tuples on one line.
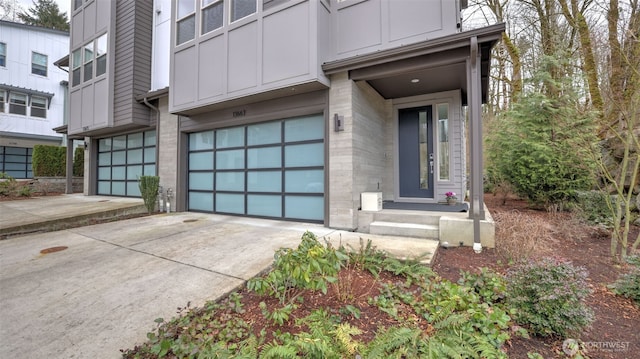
[(38, 64), (77, 4), (186, 25), (101, 55), (38, 106), (3, 99), (443, 141), (3, 54), (242, 8), (18, 103), (212, 15), (76, 64), (88, 61)]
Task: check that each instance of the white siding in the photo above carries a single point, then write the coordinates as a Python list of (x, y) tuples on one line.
[(21, 41)]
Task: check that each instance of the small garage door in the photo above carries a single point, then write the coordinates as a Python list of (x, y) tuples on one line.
[(16, 161), (272, 169)]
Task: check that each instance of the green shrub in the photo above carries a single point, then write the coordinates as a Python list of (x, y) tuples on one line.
[(593, 207), (541, 146), (78, 162), (548, 297), (49, 161), (149, 191), (628, 285), (8, 186), (490, 285)]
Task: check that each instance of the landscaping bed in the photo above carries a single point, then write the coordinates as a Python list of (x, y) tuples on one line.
[(401, 309)]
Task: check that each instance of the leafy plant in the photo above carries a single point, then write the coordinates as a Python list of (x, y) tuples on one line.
[(490, 285), (311, 266), (594, 207), (8, 186), (628, 285), (548, 297), (149, 191)]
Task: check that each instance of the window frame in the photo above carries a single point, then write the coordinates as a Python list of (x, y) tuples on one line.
[(76, 65), (13, 104), (34, 65), (184, 18), (42, 108), (207, 5), (3, 100), (231, 13), (88, 61), (3, 54), (100, 56)]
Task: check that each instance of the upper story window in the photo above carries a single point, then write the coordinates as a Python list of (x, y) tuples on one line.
[(18, 103), (88, 61), (39, 106), (242, 8), (3, 54), (212, 15), (186, 21), (3, 99), (38, 64), (101, 55), (76, 67)]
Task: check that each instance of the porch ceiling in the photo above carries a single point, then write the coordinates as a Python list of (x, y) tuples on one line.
[(437, 65)]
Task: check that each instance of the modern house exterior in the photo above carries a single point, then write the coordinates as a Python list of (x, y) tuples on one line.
[(283, 109), (32, 93)]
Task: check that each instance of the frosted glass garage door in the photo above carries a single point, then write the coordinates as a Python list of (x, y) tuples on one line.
[(273, 169), (122, 160)]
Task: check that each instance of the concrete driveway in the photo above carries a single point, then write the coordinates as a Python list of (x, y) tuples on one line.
[(103, 292)]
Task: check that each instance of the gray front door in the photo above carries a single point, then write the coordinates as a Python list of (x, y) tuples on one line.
[(416, 162)]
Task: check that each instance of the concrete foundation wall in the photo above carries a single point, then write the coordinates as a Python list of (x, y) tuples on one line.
[(456, 230)]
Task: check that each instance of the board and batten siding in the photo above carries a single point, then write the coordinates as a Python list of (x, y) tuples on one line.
[(274, 49)]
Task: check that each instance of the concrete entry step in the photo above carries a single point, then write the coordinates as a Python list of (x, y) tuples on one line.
[(416, 230), (400, 216)]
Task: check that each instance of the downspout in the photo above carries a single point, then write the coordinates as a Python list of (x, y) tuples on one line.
[(145, 100)]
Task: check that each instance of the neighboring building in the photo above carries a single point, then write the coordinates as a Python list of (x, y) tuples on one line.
[(32, 93), (284, 109)]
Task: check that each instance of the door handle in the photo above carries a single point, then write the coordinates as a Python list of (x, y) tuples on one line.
[(431, 167)]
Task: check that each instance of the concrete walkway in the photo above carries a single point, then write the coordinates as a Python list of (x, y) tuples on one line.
[(103, 292)]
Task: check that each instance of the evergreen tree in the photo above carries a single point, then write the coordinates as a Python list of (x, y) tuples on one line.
[(45, 13)]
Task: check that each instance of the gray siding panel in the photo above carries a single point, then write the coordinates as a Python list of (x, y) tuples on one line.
[(270, 53), (133, 61), (285, 53)]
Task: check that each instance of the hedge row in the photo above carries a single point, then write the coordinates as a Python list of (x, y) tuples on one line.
[(50, 161)]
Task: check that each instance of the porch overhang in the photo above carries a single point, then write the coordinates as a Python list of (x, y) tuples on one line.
[(426, 67), (456, 62)]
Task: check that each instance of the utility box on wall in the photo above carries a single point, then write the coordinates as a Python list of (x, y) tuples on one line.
[(371, 201)]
